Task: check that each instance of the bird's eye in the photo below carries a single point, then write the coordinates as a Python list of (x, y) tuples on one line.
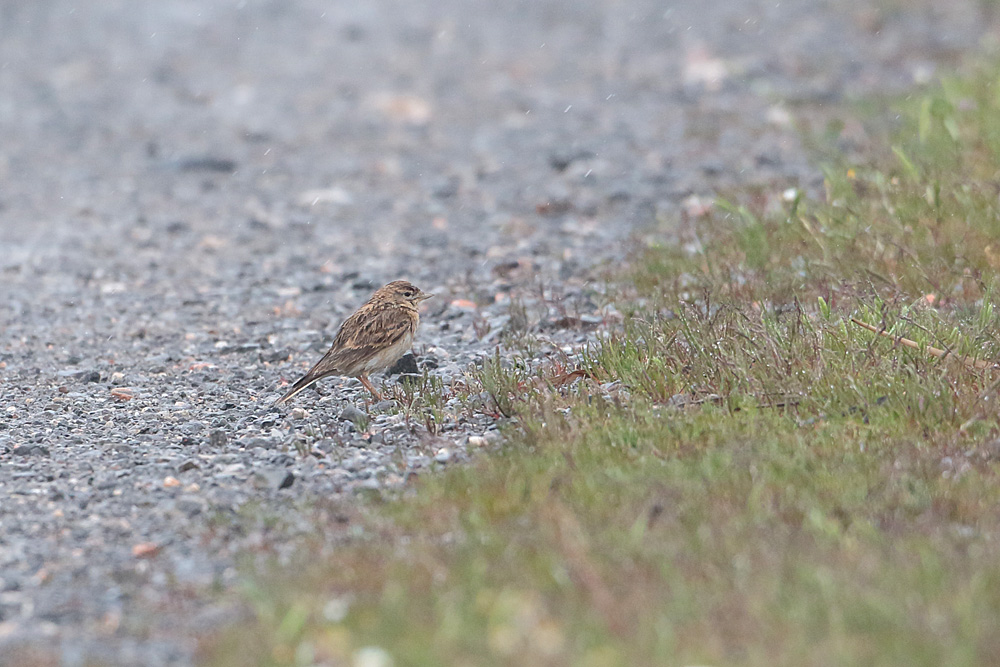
[(408, 293)]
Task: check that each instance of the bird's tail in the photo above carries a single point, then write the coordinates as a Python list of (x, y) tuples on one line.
[(299, 385)]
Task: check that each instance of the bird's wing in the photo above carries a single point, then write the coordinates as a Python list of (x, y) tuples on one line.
[(366, 333)]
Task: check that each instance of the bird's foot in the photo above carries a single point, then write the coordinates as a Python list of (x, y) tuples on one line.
[(368, 385)]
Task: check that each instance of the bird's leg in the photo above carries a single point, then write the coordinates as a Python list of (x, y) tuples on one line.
[(368, 385)]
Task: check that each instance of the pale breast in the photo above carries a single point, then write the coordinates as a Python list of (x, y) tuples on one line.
[(390, 355)]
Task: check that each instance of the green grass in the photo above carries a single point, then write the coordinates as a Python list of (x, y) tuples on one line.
[(765, 483)]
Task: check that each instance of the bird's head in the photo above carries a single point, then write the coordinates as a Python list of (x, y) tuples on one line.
[(402, 292)]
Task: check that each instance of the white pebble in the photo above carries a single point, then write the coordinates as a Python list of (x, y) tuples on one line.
[(372, 656)]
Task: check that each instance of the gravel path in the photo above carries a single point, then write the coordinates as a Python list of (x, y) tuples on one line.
[(193, 194)]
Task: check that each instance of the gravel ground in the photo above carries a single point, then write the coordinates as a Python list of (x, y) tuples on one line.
[(193, 194)]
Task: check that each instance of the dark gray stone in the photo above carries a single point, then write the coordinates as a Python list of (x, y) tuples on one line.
[(31, 450), (406, 365), (277, 478), (354, 415)]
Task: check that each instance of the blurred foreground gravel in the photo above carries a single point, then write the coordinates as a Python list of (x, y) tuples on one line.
[(193, 195)]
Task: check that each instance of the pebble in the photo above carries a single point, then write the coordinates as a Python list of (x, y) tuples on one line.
[(353, 414), (355, 463), (86, 376), (407, 365), (145, 550), (370, 483), (231, 470), (191, 505), (417, 460), (276, 355), (276, 479), (326, 445), (31, 450), (372, 656)]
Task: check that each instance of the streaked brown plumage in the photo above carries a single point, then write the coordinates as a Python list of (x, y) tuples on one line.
[(370, 340)]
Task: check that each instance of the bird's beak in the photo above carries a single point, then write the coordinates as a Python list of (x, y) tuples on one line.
[(423, 297)]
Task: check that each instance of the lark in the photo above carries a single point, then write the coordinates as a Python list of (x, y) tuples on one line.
[(370, 340)]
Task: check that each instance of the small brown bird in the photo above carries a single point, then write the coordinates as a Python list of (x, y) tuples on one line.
[(370, 340)]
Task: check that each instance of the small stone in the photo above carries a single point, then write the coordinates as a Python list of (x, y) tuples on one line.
[(145, 549), (354, 415), (326, 445), (407, 365), (190, 464), (121, 394), (232, 469), (563, 158), (225, 348), (392, 479), (277, 478), (443, 455), (177, 227), (217, 439), (190, 505), (335, 195), (299, 413), (282, 459), (205, 163), (481, 401), (355, 463), (372, 656), (83, 376), (477, 441), (384, 406), (117, 377), (171, 482), (336, 609), (417, 461), (192, 427), (106, 484), (271, 356), (31, 450)]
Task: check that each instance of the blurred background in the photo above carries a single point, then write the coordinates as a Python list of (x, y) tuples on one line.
[(378, 136)]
